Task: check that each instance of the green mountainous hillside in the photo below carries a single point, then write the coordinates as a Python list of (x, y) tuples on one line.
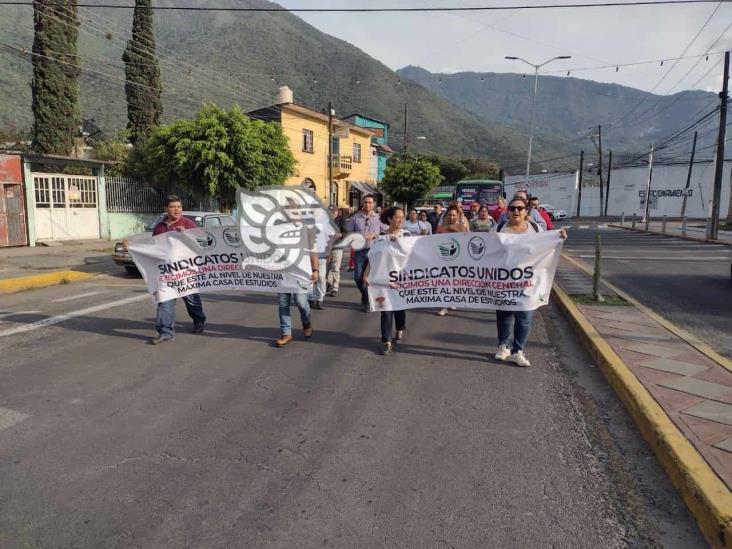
[(227, 58), (567, 107)]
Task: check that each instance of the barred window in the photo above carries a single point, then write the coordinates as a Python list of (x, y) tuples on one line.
[(356, 152), (307, 140)]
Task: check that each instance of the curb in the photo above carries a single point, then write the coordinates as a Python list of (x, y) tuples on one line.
[(13, 285), (688, 337), (671, 235), (706, 496)]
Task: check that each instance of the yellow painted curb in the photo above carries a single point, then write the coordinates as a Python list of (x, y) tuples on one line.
[(707, 497), (671, 235), (690, 338), (11, 285)]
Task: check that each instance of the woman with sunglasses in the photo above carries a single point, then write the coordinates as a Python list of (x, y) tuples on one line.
[(516, 323), (394, 218)]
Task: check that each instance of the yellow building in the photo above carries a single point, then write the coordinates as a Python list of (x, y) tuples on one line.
[(307, 132)]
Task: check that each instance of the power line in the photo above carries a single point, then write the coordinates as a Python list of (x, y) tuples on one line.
[(280, 9)]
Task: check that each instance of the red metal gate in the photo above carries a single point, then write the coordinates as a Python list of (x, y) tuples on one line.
[(12, 205)]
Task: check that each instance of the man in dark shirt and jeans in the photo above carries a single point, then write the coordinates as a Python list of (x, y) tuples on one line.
[(175, 221)]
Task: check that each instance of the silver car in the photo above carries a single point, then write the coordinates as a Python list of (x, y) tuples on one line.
[(202, 219)]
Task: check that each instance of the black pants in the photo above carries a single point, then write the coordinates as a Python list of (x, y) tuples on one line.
[(387, 319)]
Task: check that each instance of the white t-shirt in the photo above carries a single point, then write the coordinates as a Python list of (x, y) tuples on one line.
[(417, 227)]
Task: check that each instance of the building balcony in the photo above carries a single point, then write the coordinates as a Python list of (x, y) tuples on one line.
[(341, 164)]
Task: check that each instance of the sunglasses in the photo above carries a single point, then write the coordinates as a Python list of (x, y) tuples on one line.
[(516, 208)]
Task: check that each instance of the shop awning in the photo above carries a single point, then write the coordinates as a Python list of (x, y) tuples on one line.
[(363, 187)]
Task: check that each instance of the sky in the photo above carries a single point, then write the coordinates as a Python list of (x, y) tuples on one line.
[(478, 41)]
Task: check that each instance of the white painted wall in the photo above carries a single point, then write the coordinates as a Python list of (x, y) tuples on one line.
[(627, 191)]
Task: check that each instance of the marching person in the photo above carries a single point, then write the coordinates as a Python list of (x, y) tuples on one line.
[(483, 222), (500, 209), (285, 300), (516, 324), (534, 205), (474, 209), (423, 219), (366, 222), (165, 322), (415, 226), (452, 222), (333, 279), (435, 217), (394, 218), (532, 214)]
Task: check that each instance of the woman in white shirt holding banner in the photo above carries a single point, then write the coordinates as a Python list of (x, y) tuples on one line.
[(394, 217), (516, 323)]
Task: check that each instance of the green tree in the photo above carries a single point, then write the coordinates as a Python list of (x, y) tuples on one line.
[(114, 149), (480, 168), (55, 86), (142, 74), (410, 180), (451, 170), (217, 152)]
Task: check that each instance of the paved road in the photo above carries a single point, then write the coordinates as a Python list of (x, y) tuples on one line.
[(687, 282), (221, 440)]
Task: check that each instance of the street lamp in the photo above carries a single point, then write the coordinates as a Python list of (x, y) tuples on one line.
[(533, 101)]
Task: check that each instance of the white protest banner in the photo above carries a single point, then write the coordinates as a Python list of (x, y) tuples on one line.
[(179, 263), (512, 272)]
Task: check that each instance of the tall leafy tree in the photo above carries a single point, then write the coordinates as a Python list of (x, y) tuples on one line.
[(56, 70), (410, 180), (142, 74), (217, 152)]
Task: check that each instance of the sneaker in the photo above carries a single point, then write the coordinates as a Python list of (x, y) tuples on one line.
[(503, 353), (160, 339), (283, 340), (386, 349), (317, 305), (399, 336), (333, 293), (441, 312), (198, 328), (520, 359), (307, 330)]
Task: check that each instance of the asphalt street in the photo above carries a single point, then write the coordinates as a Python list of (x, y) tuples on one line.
[(222, 440), (684, 281)]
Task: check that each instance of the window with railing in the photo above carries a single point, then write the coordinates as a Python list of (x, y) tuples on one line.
[(307, 141), (357, 152)]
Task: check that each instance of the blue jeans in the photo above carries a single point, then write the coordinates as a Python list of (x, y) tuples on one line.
[(165, 323), (362, 259), (519, 329), (285, 300), (388, 318)]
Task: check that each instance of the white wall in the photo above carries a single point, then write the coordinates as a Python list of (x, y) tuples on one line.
[(557, 189), (627, 191)]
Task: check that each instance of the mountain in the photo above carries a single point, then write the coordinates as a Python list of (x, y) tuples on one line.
[(568, 107), (237, 57)]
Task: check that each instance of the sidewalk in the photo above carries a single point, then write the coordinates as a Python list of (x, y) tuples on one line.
[(26, 267), (678, 390), (694, 229)]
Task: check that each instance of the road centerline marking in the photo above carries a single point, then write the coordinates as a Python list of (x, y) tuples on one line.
[(51, 320), (79, 296)]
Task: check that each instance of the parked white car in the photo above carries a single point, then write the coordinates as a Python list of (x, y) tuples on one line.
[(554, 213)]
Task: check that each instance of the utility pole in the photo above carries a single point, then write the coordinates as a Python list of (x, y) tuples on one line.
[(688, 177), (716, 199), (330, 150), (648, 188), (579, 192), (609, 170), (599, 171), (406, 134)]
